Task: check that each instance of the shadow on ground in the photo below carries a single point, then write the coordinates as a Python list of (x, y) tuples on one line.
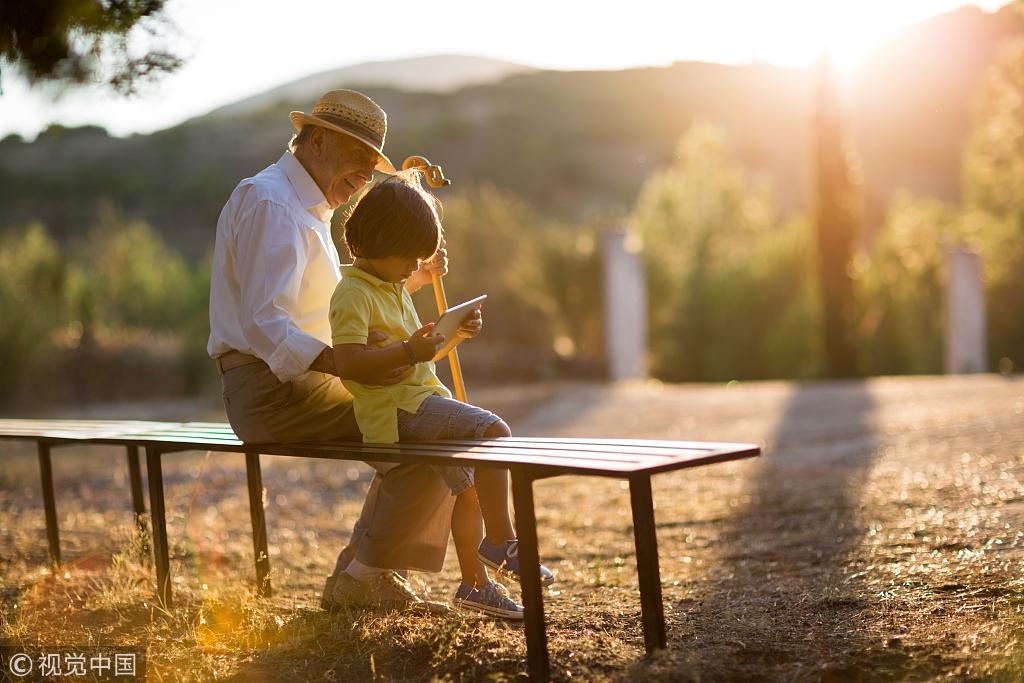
[(784, 583)]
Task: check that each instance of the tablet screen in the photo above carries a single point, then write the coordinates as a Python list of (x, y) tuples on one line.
[(449, 323)]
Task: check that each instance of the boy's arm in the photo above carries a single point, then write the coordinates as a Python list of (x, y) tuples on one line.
[(354, 361), (325, 363)]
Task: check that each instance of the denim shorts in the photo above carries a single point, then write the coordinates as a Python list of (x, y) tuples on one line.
[(445, 418)]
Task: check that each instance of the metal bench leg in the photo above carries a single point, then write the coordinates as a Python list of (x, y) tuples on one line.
[(533, 598), (652, 609), (138, 502), (259, 523), (49, 502), (156, 502)]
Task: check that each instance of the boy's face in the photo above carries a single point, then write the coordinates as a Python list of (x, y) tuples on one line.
[(394, 268)]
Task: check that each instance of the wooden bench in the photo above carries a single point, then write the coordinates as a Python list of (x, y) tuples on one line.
[(528, 459)]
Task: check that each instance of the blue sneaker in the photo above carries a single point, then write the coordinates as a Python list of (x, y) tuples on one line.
[(492, 599), (504, 557)]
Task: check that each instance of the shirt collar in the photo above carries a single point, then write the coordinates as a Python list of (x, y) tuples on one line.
[(309, 192), (359, 273)]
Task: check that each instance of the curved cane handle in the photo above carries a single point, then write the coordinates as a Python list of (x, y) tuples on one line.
[(434, 176), (431, 172)]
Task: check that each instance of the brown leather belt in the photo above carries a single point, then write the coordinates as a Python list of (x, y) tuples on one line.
[(234, 359)]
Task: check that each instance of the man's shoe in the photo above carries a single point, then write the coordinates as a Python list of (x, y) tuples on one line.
[(342, 590), (389, 591), (491, 599), (504, 557), (326, 602)]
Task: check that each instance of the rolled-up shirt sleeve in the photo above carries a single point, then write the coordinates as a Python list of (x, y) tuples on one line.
[(272, 252)]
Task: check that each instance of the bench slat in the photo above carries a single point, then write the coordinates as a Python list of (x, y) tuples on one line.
[(607, 457)]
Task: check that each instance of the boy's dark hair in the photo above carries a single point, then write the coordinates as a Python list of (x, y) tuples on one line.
[(396, 217)]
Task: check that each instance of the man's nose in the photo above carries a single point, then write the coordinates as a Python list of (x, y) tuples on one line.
[(366, 174)]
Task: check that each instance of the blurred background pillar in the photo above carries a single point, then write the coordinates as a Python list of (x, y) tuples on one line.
[(625, 306), (965, 313)]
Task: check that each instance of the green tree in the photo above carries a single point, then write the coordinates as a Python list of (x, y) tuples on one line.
[(130, 278), (994, 193), (32, 286), (903, 287), (728, 283), (82, 41)]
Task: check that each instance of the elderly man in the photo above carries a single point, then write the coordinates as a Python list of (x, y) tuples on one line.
[(275, 268)]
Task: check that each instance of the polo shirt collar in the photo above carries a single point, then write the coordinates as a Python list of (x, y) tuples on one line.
[(359, 273), (310, 195)]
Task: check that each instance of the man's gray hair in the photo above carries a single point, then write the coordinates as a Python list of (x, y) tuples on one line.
[(302, 137)]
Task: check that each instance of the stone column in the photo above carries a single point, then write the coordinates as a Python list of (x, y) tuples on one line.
[(965, 313), (625, 307)]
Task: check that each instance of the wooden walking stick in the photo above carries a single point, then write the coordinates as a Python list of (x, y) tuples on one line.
[(434, 176)]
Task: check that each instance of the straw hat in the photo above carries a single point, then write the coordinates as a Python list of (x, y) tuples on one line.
[(351, 113)]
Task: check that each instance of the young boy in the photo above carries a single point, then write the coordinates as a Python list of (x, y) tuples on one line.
[(394, 227)]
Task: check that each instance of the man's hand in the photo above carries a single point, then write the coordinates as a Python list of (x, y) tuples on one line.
[(386, 379), (436, 265), (376, 339)]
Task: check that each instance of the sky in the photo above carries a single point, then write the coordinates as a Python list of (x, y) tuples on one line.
[(238, 48)]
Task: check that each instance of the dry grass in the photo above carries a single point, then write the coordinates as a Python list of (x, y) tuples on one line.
[(881, 538)]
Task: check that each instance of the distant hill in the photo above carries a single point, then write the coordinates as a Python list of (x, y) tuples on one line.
[(571, 144), (435, 73)]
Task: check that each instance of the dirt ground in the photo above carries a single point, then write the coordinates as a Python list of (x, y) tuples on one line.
[(880, 537)]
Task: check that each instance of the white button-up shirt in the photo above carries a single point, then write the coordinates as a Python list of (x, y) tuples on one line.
[(274, 270)]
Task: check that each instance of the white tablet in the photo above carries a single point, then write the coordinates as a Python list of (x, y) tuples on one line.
[(450, 321)]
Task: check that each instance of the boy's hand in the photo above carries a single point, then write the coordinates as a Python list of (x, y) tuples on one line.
[(472, 326), (436, 264), (425, 345)]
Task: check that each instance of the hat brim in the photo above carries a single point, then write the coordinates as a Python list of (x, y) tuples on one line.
[(299, 119)]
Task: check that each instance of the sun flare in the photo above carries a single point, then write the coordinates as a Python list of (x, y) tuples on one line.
[(795, 33)]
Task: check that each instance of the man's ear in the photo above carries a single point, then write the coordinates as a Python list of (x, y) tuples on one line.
[(317, 140)]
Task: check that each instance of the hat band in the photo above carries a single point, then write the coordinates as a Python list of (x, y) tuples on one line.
[(352, 127)]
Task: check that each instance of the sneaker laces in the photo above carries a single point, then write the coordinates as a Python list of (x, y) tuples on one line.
[(498, 591), (399, 583), (512, 550)]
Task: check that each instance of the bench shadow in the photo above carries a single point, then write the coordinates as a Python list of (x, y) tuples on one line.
[(784, 599)]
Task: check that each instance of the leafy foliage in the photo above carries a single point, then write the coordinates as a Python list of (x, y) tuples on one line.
[(903, 286), (117, 302), (33, 282), (730, 288), (994, 188), (80, 41)]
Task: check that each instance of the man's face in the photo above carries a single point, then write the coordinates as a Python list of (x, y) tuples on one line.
[(345, 166)]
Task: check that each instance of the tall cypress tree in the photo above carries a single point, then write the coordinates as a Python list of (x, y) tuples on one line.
[(837, 220)]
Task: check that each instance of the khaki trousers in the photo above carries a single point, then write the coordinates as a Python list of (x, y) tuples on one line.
[(406, 517)]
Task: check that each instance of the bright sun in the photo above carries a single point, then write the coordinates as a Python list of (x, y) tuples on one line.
[(796, 32)]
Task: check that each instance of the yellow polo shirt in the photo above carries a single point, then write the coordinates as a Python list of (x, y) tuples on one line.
[(363, 302)]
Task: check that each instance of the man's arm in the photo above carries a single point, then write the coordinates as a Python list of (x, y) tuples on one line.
[(270, 260), (325, 363)]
